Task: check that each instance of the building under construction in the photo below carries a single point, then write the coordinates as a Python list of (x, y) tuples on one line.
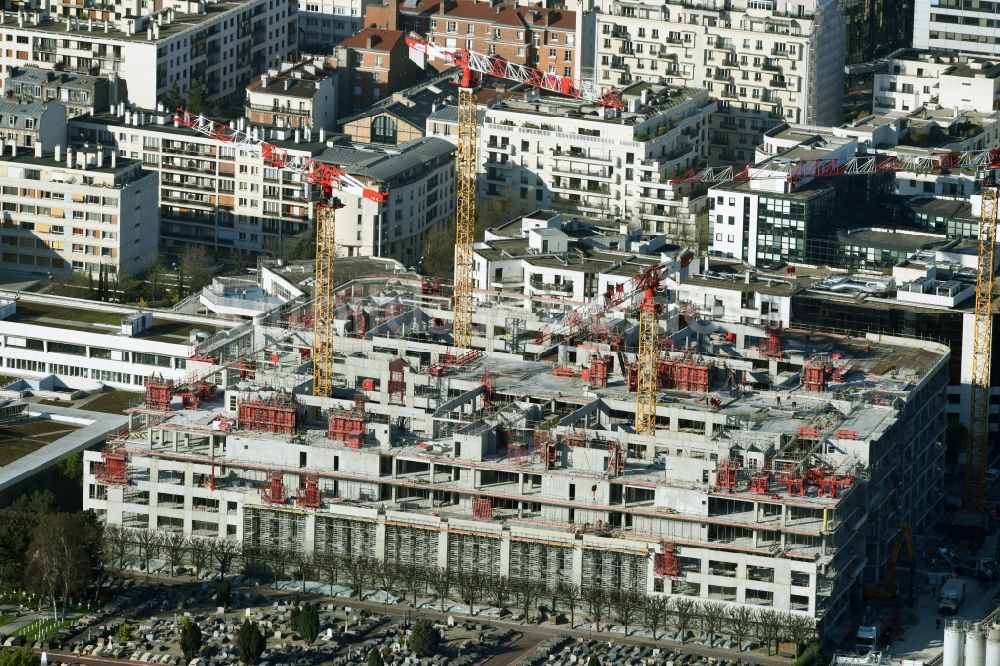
[(780, 467)]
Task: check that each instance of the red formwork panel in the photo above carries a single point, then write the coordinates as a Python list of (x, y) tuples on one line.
[(666, 562), (278, 414), (274, 491), (113, 470), (397, 383), (482, 508), (158, 392), (309, 496)]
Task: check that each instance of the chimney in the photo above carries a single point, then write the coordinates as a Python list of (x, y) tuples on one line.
[(105, 26), (149, 33), (370, 41), (156, 29), (264, 80), (13, 148), (20, 19), (128, 117), (287, 84), (114, 159), (38, 149), (69, 157), (90, 24), (298, 135), (322, 134), (58, 152), (100, 158)]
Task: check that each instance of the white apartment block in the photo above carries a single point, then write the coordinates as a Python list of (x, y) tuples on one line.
[(957, 26), (556, 153), (77, 211), (545, 254), (224, 196), (916, 79), (765, 61), (222, 43), (323, 24)]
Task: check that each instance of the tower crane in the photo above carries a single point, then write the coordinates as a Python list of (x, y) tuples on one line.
[(473, 67), (985, 161), (646, 366), (328, 180)]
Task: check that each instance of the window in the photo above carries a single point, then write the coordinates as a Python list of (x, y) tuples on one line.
[(383, 130)]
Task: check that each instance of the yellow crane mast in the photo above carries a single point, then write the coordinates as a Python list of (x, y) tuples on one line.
[(465, 213), (325, 303), (646, 366), (974, 498)]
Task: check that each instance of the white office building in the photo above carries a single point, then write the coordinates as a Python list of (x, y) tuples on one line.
[(915, 79), (957, 26)]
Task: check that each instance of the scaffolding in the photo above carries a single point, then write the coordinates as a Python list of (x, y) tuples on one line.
[(816, 373), (278, 414), (343, 536), (772, 347), (616, 459), (159, 391), (397, 382), (666, 562), (613, 570), (599, 366), (550, 564), (274, 529), (348, 425), (482, 508), (113, 470), (727, 474), (411, 545), (473, 552), (273, 491), (309, 495)]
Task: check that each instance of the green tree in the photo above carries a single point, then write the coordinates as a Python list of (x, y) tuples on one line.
[(224, 594), (593, 661), (197, 102), (190, 639), (196, 267), (439, 252), (250, 642), (308, 624), (124, 632), (374, 658), (425, 640), (174, 98), (155, 282), (21, 656)]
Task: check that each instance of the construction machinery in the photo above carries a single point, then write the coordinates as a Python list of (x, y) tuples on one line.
[(473, 67), (889, 589), (320, 182)]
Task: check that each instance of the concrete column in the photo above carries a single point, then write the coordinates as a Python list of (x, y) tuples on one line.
[(380, 537), (505, 552), (442, 559), (310, 544), (577, 577)]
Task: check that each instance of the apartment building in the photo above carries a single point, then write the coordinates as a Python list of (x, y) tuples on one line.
[(296, 96), (220, 43), (552, 152), (915, 79), (323, 24), (765, 62), (29, 123), (521, 468), (377, 65), (77, 211), (546, 254), (526, 34), (80, 94), (401, 117), (225, 197), (956, 26)]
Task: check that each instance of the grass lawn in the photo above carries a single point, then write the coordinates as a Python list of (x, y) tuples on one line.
[(42, 628), (72, 318), (112, 402), (173, 331), (20, 439), (4, 619)]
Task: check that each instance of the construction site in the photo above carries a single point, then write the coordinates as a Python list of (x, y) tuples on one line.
[(622, 443)]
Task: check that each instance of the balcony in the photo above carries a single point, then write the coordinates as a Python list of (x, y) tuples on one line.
[(562, 287), (778, 83), (771, 67), (721, 75), (284, 110)]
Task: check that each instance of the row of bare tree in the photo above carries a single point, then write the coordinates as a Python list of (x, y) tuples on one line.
[(124, 547)]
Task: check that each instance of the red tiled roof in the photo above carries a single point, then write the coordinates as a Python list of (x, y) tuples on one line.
[(381, 40), (504, 14)]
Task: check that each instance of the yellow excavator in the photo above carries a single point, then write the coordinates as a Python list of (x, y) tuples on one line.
[(889, 589)]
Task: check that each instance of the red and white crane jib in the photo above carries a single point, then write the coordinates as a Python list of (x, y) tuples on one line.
[(470, 61), (793, 171), (328, 178)]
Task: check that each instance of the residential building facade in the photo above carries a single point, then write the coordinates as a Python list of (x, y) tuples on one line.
[(78, 211), (377, 65), (916, 79), (323, 24), (297, 96), (81, 94), (553, 152), (401, 117), (764, 62), (956, 26), (29, 123), (525, 34), (221, 44)]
